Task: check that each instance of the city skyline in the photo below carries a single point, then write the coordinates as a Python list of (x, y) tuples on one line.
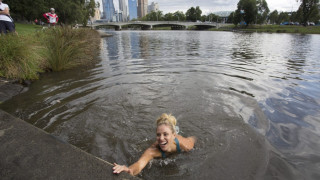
[(209, 6)]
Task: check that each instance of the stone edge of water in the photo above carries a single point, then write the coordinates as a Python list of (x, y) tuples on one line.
[(29, 152)]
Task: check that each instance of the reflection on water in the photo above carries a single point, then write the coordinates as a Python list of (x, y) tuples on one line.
[(252, 100)]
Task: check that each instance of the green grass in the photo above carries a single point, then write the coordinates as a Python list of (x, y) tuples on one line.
[(275, 29), (25, 55), (18, 58), (67, 48), (26, 29)]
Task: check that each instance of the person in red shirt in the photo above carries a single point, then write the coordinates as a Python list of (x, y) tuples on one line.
[(52, 17)]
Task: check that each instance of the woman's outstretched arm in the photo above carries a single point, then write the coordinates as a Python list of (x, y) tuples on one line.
[(137, 167)]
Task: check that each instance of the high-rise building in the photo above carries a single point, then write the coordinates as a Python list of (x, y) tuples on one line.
[(142, 8), (153, 7), (100, 2), (108, 10), (133, 14), (123, 10), (97, 15)]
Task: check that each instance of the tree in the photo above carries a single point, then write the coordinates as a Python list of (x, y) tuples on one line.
[(193, 14), (179, 16), (203, 18), (263, 11), (69, 12), (89, 11), (231, 17), (213, 18), (26, 9), (198, 13), (309, 10), (153, 16), (169, 17), (247, 11), (283, 17), (273, 17)]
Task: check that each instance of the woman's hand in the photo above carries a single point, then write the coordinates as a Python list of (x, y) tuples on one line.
[(117, 169)]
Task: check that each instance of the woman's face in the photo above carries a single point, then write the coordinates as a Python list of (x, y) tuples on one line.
[(165, 137)]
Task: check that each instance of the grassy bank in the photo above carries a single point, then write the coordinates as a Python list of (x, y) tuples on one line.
[(25, 29), (273, 29), (33, 51)]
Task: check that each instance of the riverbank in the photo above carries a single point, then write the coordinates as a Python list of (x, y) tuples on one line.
[(24, 57), (271, 29), (253, 28), (8, 89), (30, 153)]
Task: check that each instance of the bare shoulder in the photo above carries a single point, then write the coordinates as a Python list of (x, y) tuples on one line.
[(153, 151), (186, 143)]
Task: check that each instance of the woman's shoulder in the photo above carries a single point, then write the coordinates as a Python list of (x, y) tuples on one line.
[(186, 143), (154, 150)]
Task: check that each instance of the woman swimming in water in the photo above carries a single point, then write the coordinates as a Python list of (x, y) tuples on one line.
[(168, 142)]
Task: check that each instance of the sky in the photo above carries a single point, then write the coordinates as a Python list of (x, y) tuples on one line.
[(209, 6)]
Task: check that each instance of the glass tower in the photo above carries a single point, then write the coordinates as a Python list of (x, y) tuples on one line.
[(108, 10), (123, 8), (133, 14)]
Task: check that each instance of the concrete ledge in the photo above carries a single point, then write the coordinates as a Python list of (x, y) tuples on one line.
[(8, 89), (103, 34), (27, 152)]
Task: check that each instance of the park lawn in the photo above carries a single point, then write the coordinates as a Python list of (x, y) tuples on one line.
[(26, 29), (285, 29), (276, 29)]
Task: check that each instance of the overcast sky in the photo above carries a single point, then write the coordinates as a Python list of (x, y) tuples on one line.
[(208, 6)]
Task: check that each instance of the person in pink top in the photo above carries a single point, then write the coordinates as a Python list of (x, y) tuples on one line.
[(52, 17)]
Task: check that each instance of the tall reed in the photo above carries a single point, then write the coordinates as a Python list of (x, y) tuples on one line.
[(23, 57), (19, 59), (67, 48)]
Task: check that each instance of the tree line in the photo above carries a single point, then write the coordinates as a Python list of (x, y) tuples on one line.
[(69, 12), (247, 12)]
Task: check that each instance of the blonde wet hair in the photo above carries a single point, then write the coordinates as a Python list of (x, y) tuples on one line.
[(168, 120)]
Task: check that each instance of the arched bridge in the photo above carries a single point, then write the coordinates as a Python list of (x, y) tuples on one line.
[(150, 24)]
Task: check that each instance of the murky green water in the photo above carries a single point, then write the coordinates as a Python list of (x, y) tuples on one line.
[(252, 100)]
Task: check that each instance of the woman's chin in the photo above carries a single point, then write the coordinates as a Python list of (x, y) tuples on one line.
[(164, 148)]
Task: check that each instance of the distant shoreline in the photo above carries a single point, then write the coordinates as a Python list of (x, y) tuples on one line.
[(251, 28)]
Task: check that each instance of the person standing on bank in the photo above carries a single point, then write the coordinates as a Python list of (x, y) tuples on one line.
[(168, 142), (6, 22), (52, 17)]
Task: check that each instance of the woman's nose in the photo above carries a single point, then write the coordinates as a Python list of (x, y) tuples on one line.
[(161, 137)]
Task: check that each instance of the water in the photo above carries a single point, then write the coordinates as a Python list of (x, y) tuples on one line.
[(252, 100)]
